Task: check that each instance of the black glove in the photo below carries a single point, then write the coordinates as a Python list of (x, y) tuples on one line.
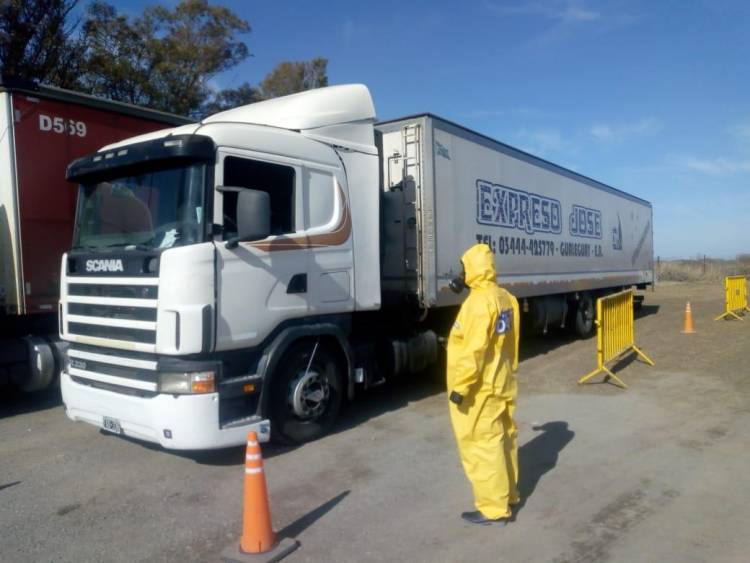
[(456, 398)]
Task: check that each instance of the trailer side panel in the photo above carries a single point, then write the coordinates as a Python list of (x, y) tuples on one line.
[(552, 230), (49, 134)]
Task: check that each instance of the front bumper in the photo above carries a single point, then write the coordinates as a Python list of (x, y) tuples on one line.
[(191, 420)]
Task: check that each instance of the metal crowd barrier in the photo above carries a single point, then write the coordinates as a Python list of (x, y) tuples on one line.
[(615, 333), (735, 291)]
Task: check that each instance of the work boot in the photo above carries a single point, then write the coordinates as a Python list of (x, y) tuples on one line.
[(477, 517)]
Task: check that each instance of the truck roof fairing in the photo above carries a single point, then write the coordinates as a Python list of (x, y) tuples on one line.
[(321, 107), (336, 115)]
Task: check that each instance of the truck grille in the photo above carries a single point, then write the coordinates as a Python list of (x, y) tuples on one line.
[(124, 372), (113, 332), (121, 311), (114, 312), (113, 290)]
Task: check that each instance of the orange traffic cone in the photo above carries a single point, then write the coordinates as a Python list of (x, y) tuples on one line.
[(257, 533), (258, 541), (688, 327)]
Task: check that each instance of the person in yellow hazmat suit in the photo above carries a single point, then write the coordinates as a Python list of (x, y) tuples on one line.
[(482, 361)]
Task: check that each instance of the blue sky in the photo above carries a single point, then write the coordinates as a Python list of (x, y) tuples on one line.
[(652, 97)]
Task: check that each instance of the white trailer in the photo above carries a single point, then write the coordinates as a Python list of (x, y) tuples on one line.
[(554, 232), (252, 270)]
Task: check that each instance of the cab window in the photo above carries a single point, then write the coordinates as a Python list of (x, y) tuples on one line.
[(275, 179), (319, 198)]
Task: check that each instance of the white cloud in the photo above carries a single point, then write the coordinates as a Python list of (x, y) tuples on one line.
[(734, 162), (511, 112), (544, 142), (214, 85), (560, 10), (621, 131), (719, 166), (348, 30), (565, 20), (579, 14), (741, 132)]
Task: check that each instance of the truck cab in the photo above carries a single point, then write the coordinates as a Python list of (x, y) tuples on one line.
[(214, 270)]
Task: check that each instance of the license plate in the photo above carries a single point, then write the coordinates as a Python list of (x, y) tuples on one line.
[(111, 425)]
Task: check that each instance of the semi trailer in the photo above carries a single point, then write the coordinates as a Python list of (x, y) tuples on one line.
[(41, 130), (253, 270)]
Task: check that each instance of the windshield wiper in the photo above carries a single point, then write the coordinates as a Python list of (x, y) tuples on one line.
[(138, 246)]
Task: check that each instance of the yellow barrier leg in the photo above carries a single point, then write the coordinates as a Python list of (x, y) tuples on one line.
[(618, 381), (643, 356), (588, 376), (606, 371), (729, 314)]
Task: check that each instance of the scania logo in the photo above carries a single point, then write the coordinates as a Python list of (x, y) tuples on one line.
[(104, 266)]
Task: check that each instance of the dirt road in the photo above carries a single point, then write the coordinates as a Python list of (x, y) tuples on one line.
[(655, 473)]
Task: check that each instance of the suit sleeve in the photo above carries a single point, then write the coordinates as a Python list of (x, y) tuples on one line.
[(468, 356)]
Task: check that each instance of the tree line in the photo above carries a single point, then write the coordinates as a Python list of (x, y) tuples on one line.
[(163, 58)]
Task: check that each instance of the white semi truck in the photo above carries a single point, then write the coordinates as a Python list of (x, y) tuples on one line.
[(252, 270)]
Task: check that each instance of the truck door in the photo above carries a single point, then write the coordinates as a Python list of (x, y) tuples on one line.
[(304, 268), (256, 288)]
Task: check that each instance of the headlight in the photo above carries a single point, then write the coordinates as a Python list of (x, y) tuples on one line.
[(187, 383)]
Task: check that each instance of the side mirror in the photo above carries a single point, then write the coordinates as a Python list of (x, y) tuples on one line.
[(253, 215)]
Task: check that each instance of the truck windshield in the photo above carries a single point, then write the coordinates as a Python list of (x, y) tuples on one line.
[(155, 209)]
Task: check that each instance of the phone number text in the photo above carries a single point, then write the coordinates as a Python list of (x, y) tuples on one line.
[(524, 246)]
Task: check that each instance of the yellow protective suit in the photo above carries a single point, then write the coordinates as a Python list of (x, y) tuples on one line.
[(482, 360)]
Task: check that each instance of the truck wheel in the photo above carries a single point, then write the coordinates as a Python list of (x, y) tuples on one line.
[(41, 369), (306, 395), (584, 316)]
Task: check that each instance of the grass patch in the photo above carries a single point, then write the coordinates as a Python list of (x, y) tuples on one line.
[(700, 269)]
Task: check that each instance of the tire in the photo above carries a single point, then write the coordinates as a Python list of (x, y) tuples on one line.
[(306, 396), (583, 322)]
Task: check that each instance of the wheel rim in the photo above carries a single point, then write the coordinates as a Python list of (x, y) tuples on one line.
[(588, 311), (587, 314), (309, 394)]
